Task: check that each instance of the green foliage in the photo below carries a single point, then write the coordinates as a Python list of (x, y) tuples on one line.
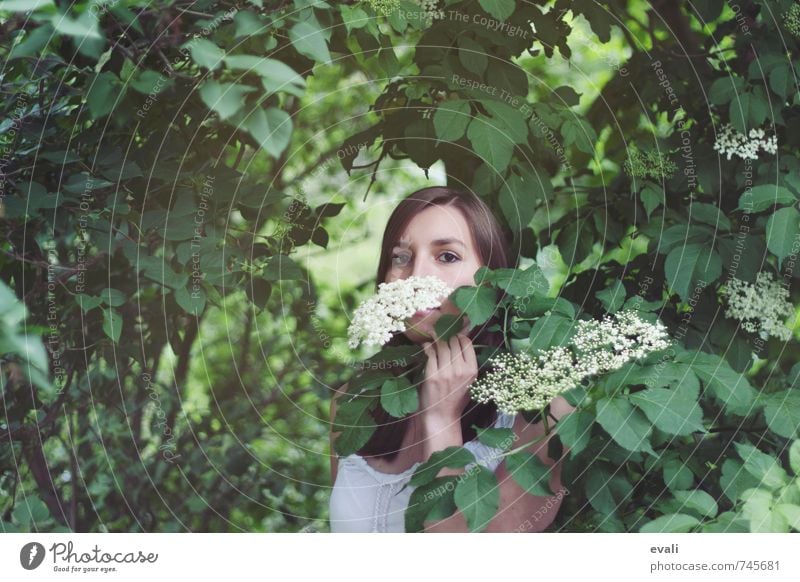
[(152, 200)]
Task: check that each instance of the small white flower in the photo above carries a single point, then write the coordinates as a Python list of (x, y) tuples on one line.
[(730, 142), (760, 307), (522, 382), (383, 314)]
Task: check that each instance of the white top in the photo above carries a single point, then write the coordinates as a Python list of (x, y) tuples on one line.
[(367, 500)]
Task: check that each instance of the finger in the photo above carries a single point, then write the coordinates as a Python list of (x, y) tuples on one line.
[(469, 354), (456, 355), (443, 354), (432, 364)]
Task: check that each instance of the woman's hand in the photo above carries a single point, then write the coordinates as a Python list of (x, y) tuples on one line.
[(450, 370)]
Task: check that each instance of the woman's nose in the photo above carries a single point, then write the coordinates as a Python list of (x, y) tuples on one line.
[(422, 268)]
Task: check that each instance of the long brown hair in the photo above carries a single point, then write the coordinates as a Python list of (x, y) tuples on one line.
[(490, 242)]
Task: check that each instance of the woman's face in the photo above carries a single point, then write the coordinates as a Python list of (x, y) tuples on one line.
[(437, 241)]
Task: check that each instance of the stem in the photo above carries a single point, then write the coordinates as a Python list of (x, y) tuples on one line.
[(505, 330), (429, 336), (521, 447)]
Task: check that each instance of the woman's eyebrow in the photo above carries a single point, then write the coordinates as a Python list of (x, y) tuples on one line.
[(439, 242)]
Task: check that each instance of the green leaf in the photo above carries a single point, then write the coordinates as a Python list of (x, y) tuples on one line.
[(762, 466), (205, 53), (308, 40), (448, 325), (709, 214), (224, 98), (433, 499), (575, 242), (625, 424), (102, 94), (794, 457), (764, 197), (520, 283), (670, 523), (652, 197), (34, 40), (730, 387), (452, 457), (783, 229), (472, 55), (479, 303), (758, 508), (192, 301), (551, 330), (147, 82), (782, 412), (671, 411), (249, 23), (399, 397), (276, 75), (87, 302), (496, 438), (530, 473), (699, 501), (567, 95), (612, 297), (759, 107), (508, 120), (25, 5), (575, 429), (113, 297), (477, 496), (690, 265), (354, 420), (282, 267), (272, 129), (494, 149), (781, 80), (112, 323), (31, 512), (579, 132), (450, 119), (738, 111), (791, 513), (724, 89), (605, 491), (517, 202), (84, 28), (677, 475), (500, 9), (683, 234)]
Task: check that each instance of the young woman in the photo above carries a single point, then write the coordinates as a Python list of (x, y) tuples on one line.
[(450, 234)]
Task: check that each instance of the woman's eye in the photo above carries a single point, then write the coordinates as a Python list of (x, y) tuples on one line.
[(448, 253), (401, 257), (448, 258)]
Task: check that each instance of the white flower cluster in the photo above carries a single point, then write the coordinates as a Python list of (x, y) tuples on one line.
[(385, 7), (761, 307), (522, 382), (383, 314), (730, 142), (431, 9)]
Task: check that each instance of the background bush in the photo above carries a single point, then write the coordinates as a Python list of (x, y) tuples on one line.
[(192, 199)]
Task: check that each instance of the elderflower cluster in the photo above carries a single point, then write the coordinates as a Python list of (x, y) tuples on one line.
[(791, 20), (522, 382), (382, 315), (430, 8), (385, 7), (649, 164), (730, 142), (761, 307)]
